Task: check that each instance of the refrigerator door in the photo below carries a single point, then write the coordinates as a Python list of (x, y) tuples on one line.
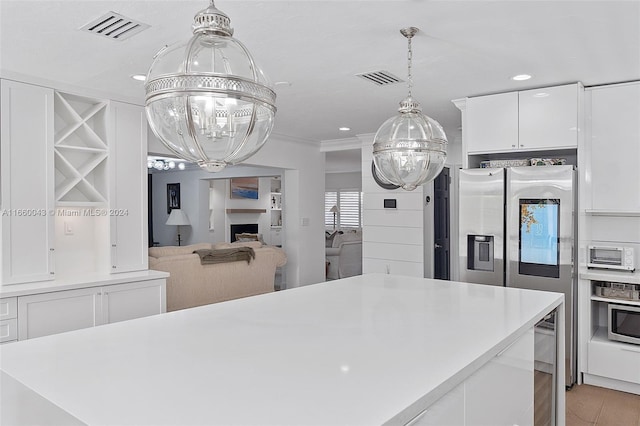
[(540, 230), (482, 226)]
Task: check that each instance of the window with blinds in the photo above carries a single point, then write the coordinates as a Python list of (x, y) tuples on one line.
[(349, 205)]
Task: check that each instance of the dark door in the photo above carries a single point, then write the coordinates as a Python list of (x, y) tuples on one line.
[(150, 207), (441, 225)]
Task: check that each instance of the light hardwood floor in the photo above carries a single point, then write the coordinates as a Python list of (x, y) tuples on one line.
[(591, 405)]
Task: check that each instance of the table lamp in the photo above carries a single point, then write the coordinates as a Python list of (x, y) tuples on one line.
[(178, 218)]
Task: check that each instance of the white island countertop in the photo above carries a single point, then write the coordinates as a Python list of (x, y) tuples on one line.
[(361, 351)]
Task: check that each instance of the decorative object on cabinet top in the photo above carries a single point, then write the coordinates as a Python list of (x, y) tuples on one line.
[(523, 162)]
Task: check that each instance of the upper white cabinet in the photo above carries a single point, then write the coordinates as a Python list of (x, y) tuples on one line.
[(614, 159), (26, 175), (128, 200), (548, 118), (491, 123), (529, 120)]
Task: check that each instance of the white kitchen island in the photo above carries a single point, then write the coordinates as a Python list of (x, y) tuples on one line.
[(367, 350)]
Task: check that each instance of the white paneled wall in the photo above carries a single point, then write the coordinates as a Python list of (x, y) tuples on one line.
[(392, 239)]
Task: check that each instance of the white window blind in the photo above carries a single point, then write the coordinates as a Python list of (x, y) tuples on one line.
[(330, 200), (350, 209)]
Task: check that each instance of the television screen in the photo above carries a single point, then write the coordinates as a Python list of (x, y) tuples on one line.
[(539, 237)]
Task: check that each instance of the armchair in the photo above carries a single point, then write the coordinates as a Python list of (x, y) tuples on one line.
[(345, 255)]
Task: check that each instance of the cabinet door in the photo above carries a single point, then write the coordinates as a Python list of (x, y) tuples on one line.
[(501, 392), (57, 312), (133, 300), (492, 123), (128, 195), (26, 170), (615, 148), (548, 118)]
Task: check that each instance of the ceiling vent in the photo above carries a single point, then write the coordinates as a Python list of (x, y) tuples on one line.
[(114, 26), (380, 78)]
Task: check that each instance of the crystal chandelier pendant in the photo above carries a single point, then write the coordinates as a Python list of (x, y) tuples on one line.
[(206, 99), (409, 149)]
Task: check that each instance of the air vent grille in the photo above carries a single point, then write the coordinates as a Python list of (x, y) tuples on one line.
[(380, 78), (114, 26)]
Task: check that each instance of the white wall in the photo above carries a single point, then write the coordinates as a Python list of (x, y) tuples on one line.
[(349, 180), (303, 184)]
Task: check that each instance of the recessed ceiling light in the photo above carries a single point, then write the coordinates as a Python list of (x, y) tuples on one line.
[(282, 83), (541, 95), (139, 77), (344, 129), (521, 77)]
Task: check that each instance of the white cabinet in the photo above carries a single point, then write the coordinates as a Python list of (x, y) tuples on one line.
[(548, 118), (61, 311), (614, 360), (8, 319), (26, 175), (123, 302), (52, 313), (492, 123), (615, 147), (499, 393), (529, 120), (128, 195)]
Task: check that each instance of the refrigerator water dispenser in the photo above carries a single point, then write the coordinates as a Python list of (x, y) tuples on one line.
[(480, 253)]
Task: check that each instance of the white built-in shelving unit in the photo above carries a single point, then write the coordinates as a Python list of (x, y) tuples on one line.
[(81, 150)]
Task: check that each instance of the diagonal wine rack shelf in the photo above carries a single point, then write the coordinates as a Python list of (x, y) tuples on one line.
[(80, 149)]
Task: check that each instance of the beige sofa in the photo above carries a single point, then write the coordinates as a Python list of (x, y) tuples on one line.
[(192, 284)]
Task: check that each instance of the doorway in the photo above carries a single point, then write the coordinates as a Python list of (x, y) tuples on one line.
[(441, 226)]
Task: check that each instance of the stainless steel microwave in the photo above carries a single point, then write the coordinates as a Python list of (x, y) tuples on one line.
[(611, 257), (624, 323)]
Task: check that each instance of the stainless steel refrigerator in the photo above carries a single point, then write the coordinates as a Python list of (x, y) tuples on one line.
[(517, 229)]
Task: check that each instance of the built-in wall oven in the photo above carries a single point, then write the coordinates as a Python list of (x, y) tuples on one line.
[(624, 323)]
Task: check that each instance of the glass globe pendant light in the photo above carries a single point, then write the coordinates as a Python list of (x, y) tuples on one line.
[(409, 149), (206, 99)]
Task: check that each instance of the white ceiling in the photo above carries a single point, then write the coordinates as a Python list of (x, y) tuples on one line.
[(465, 48)]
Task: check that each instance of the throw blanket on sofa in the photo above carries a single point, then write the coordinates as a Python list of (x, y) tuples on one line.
[(225, 255)]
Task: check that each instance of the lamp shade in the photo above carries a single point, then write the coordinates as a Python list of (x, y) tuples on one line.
[(178, 217), (334, 209)]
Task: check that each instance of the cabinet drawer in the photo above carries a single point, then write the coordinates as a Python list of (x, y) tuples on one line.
[(8, 330), (8, 308), (614, 361)]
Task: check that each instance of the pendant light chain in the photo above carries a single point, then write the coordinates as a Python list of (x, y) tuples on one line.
[(409, 60)]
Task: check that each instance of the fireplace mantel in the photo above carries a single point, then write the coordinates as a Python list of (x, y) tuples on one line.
[(246, 210)]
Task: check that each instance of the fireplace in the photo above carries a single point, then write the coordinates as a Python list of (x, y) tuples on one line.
[(250, 228)]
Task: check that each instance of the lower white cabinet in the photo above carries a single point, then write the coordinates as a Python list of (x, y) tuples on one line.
[(614, 360), (8, 319), (57, 312), (499, 393)]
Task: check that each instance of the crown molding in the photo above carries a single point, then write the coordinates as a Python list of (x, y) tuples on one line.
[(287, 138)]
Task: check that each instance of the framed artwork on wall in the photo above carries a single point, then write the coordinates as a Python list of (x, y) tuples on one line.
[(244, 188), (173, 196)]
